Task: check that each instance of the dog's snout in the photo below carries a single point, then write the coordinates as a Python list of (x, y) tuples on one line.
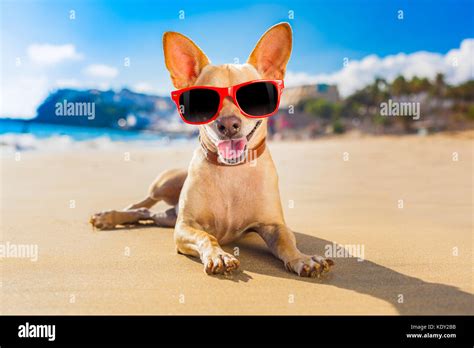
[(228, 125)]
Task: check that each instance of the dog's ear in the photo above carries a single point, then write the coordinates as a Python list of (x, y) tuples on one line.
[(183, 58), (272, 52)]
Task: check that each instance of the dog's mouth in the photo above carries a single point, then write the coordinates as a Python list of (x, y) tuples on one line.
[(234, 151)]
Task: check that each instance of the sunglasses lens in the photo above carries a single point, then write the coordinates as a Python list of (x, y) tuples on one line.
[(199, 105), (258, 99)]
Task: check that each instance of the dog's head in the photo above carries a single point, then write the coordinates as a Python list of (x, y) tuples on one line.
[(189, 66)]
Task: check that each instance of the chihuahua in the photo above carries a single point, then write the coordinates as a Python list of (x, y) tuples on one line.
[(231, 185)]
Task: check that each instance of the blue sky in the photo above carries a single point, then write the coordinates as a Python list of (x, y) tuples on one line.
[(104, 33)]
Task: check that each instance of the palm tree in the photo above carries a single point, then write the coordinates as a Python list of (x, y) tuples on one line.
[(399, 86), (439, 86), (418, 85)]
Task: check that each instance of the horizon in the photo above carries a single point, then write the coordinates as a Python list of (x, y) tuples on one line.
[(331, 44)]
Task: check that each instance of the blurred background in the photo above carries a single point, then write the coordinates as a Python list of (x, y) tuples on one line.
[(350, 58), (373, 145)]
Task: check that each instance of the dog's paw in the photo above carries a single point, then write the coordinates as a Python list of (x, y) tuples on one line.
[(104, 220), (220, 262), (310, 266), (110, 219)]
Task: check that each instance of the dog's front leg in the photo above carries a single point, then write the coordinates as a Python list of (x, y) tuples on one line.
[(194, 241), (281, 241)]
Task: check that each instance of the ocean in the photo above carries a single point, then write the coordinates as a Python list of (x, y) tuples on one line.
[(18, 135)]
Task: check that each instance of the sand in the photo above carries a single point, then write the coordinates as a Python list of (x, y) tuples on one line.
[(417, 259)]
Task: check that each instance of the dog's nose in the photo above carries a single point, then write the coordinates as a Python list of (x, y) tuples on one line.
[(229, 125)]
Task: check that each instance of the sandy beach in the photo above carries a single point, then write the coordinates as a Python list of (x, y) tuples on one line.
[(418, 252)]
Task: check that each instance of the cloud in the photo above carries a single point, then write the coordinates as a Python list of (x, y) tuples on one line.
[(68, 83), (21, 95), (101, 71), (46, 54), (77, 84), (154, 88), (144, 87), (457, 65)]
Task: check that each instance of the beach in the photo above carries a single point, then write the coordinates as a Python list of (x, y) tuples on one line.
[(406, 202)]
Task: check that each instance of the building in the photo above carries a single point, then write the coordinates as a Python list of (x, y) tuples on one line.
[(291, 120), (295, 95)]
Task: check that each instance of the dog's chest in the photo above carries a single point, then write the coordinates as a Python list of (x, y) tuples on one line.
[(229, 201), (235, 204)]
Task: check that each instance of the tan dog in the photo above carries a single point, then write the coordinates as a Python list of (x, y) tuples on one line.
[(220, 203)]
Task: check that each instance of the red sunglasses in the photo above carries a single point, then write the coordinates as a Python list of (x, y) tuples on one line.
[(202, 104)]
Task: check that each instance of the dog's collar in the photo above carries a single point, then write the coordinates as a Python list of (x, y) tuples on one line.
[(252, 154)]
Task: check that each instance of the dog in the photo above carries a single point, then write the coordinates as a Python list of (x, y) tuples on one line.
[(222, 197)]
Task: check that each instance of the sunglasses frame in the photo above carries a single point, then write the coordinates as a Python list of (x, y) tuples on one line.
[(227, 92)]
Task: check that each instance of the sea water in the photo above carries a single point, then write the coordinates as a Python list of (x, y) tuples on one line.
[(21, 135)]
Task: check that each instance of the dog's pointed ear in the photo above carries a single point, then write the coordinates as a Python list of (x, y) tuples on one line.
[(183, 58), (272, 52)]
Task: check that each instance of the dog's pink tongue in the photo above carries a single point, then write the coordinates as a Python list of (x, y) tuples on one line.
[(230, 149)]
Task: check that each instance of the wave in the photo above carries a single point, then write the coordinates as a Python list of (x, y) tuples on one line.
[(15, 142)]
